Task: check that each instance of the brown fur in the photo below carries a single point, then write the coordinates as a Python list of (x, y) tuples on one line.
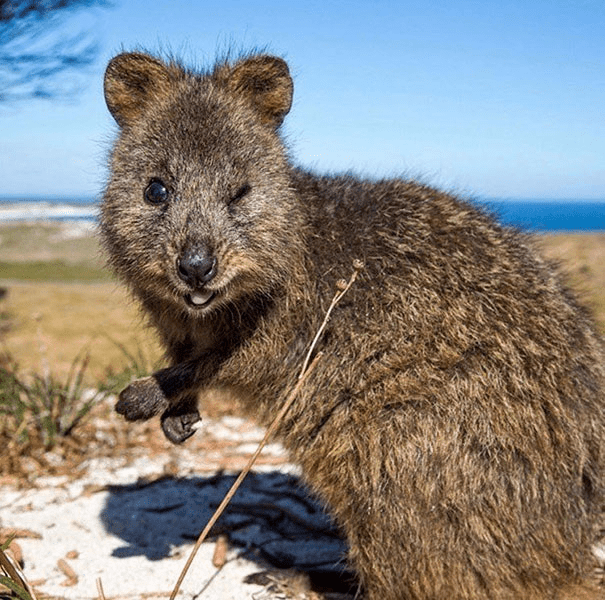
[(455, 424)]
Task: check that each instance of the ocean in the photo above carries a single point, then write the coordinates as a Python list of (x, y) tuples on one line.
[(550, 215), (534, 214)]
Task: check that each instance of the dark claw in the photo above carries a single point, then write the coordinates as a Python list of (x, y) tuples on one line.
[(179, 427)]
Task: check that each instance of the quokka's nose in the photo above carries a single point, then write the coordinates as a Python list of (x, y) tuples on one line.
[(197, 266)]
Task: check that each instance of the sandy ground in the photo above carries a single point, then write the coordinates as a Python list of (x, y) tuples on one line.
[(130, 520)]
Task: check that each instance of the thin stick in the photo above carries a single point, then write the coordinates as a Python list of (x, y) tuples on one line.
[(334, 302), (242, 475), (306, 370), (100, 589)]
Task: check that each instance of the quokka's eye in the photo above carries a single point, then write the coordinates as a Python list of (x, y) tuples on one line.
[(239, 194), (156, 192)]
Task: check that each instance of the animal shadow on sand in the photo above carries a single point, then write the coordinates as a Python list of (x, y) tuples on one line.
[(272, 519)]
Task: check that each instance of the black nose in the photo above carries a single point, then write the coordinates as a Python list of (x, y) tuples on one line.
[(197, 266)]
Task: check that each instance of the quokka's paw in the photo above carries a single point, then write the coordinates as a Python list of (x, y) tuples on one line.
[(141, 400), (178, 427)]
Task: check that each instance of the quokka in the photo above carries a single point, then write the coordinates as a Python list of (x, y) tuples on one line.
[(455, 424)]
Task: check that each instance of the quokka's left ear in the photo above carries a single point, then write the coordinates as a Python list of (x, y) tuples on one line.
[(265, 82)]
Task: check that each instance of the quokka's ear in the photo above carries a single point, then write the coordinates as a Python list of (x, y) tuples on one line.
[(132, 81), (266, 83)]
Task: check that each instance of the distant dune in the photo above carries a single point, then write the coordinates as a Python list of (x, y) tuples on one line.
[(46, 211)]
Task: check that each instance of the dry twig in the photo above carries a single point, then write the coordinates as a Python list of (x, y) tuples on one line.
[(100, 592), (306, 370), (219, 558), (343, 289), (242, 475)]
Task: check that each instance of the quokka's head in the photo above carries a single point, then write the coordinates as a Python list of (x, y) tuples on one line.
[(199, 210)]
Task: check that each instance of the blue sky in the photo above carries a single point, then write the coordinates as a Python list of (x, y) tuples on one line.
[(487, 98)]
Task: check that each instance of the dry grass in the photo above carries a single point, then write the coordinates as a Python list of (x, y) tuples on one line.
[(51, 323), (583, 258)]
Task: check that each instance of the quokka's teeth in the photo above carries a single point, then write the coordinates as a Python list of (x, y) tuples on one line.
[(200, 298)]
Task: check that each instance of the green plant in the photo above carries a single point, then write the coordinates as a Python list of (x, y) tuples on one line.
[(38, 410), (10, 577)]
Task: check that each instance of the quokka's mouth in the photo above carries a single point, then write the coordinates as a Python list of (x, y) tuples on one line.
[(200, 298)]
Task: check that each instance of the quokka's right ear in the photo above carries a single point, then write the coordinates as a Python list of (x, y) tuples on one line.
[(132, 81)]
